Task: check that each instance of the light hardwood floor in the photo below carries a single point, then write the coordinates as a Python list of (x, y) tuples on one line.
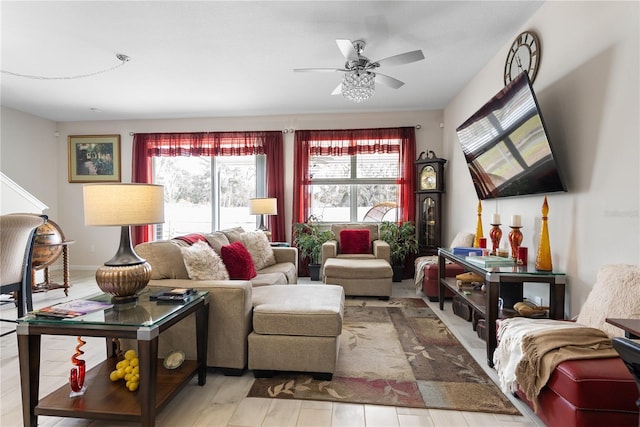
[(222, 401)]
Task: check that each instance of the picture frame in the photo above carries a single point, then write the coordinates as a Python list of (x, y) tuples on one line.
[(94, 158)]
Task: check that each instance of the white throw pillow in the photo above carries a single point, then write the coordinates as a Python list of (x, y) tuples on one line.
[(463, 240), (203, 263), (616, 294), (260, 249)]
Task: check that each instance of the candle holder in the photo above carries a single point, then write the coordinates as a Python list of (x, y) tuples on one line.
[(496, 236), (515, 239)]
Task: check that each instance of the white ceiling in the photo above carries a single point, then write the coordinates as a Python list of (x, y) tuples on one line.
[(235, 58)]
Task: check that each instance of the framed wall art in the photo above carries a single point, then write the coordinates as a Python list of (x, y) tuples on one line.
[(94, 158)]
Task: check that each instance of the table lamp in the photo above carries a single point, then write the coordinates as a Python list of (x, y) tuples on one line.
[(263, 206), (124, 275)]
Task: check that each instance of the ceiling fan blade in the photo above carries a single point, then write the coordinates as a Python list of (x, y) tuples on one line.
[(347, 49), (322, 70), (403, 58), (388, 81), (338, 90)]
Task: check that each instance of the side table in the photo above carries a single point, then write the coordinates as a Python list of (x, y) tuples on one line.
[(143, 321), (631, 327)]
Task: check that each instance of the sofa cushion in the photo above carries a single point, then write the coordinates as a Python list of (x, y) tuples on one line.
[(309, 310), (217, 240), (165, 259), (233, 234), (259, 247), (202, 263), (616, 294), (268, 279), (238, 261), (355, 241), (286, 269), (361, 269)]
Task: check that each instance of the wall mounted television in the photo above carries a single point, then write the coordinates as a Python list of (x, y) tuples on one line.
[(507, 148)]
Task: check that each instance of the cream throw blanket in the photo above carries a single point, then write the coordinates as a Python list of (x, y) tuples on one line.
[(530, 349), (420, 264)]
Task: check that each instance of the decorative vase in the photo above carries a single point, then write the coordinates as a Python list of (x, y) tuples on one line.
[(543, 260), (76, 376), (515, 239), (479, 233)]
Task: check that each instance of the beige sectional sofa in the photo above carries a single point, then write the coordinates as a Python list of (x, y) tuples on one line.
[(230, 306)]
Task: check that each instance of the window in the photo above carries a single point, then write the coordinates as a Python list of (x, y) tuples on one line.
[(347, 188), (354, 175), (210, 175), (190, 185)]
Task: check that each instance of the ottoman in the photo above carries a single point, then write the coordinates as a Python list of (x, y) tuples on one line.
[(431, 279), (360, 277), (296, 329)]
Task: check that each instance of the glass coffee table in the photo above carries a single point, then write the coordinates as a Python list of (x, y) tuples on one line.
[(143, 321)]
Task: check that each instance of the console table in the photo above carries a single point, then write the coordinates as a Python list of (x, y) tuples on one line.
[(500, 282), (143, 321)]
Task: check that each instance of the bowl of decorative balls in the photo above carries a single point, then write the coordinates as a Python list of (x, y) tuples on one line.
[(128, 370)]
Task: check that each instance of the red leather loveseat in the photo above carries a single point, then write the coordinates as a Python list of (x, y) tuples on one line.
[(588, 393)]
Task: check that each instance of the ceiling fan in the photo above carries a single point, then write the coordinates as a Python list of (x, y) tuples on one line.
[(360, 72)]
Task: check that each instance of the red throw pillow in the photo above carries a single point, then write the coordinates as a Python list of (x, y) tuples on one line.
[(355, 241), (238, 261)]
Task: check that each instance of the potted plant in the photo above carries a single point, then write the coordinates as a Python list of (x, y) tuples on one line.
[(309, 239), (401, 237)]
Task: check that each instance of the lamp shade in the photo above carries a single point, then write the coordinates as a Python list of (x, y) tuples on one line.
[(263, 206), (123, 204)]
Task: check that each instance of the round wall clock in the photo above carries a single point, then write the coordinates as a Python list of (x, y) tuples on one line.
[(524, 55)]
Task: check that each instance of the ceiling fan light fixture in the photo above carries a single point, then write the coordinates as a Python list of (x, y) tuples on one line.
[(358, 86)]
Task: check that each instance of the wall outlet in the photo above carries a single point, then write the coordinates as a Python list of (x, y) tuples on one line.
[(538, 300)]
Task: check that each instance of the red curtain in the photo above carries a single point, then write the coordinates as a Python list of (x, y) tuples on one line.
[(149, 145), (274, 151), (348, 142)]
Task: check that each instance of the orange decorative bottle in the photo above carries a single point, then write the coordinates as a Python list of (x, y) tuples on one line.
[(543, 260), (479, 233)]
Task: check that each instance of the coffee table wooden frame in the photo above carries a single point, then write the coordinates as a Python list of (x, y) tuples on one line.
[(105, 399)]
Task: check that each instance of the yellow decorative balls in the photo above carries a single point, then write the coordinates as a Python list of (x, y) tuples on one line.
[(129, 370)]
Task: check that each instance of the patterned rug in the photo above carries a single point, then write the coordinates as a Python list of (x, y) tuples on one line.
[(396, 353)]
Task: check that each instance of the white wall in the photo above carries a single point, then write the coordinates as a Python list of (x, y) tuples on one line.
[(29, 157), (588, 90)]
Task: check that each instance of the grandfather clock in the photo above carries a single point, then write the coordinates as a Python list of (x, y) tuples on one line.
[(429, 194)]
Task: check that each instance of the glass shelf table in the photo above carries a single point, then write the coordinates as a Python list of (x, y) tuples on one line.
[(143, 321)]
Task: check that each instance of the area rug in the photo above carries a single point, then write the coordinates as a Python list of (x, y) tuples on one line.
[(396, 353)]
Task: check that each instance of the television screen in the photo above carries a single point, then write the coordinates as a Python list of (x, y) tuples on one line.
[(506, 146)]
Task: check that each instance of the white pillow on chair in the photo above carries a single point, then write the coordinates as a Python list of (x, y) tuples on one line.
[(616, 294)]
